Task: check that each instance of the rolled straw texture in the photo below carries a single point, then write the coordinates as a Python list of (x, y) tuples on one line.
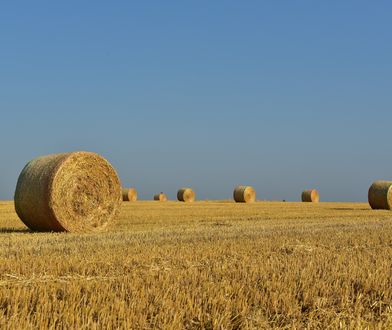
[(72, 192), (129, 194), (244, 194), (186, 195), (310, 196), (380, 195), (160, 197)]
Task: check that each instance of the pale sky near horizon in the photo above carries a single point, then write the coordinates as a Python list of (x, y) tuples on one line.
[(279, 95)]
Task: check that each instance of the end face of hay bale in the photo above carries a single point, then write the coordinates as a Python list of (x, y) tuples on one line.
[(74, 192), (310, 196), (161, 197), (244, 194), (380, 195), (186, 195), (129, 194)]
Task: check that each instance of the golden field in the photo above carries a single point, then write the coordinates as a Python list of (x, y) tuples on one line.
[(205, 265)]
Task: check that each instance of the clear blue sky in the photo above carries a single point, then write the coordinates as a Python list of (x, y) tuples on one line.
[(282, 95)]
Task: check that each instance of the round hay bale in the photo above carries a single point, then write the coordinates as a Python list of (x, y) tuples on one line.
[(73, 192), (129, 194), (244, 194), (310, 196), (380, 195), (160, 197), (186, 195)]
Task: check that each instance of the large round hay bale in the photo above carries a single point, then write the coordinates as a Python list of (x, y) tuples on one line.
[(160, 197), (310, 196), (244, 194), (186, 195), (129, 194), (74, 192), (380, 195)]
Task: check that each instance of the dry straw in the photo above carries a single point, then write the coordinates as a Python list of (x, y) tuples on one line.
[(244, 194), (380, 195), (186, 195), (129, 194), (310, 196), (75, 192), (160, 197)]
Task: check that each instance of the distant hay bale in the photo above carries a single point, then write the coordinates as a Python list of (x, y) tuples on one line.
[(244, 194), (73, 192), (160, 197), (129, 194), (310, 196), (380, 195), (186, 195)]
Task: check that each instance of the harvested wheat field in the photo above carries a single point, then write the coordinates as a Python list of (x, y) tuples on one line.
[(204, 265)]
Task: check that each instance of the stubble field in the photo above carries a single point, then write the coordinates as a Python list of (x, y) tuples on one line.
[(206, 265)]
